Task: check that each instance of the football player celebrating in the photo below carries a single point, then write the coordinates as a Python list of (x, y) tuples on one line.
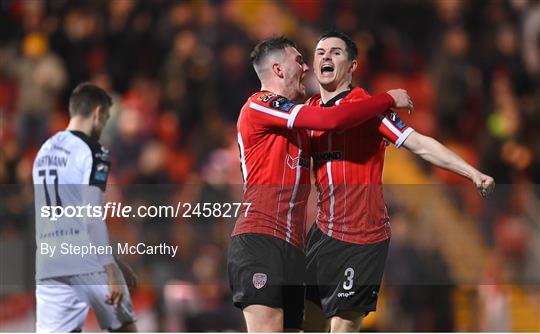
[(348, 244), (266, 262)]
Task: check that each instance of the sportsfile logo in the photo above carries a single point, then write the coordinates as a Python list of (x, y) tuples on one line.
[(298, 161), (120, 210), (345, 294)]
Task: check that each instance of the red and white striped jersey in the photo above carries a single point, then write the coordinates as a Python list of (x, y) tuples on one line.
[(348, 166), (275, 162)]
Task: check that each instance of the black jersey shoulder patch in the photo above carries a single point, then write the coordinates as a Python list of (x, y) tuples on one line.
[(282, 103), (394, 118), (101, 161)]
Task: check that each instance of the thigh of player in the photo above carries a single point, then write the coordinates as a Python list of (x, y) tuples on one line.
[(315, 243), (314, 319), (95, 288), (260, 273), (59, 307), (349, 276), (294, 289)]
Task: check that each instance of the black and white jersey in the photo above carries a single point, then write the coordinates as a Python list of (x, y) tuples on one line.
[(70, 171)]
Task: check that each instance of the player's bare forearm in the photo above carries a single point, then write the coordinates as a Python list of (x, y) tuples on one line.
[(434, 152), (439, 155), (113, 273), (128, 274), (116, 281)]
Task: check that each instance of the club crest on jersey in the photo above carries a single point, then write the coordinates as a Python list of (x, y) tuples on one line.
[(259, 280), (293, 163)]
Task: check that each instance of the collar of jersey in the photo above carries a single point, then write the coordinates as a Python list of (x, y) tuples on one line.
[(341, 95), (84, 137)]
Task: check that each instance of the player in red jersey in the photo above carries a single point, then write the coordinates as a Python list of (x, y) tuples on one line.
[(347, 247), (266, 261)]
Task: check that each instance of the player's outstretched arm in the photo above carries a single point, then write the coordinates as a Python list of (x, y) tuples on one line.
[(348, 115), (439, 155)]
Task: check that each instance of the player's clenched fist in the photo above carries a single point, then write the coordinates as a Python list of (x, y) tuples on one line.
[(484, 183), (401, 99)]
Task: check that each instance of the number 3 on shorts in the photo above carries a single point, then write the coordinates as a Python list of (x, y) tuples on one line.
[(349, 276)]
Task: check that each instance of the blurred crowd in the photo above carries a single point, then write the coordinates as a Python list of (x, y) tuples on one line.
[(179, 73)]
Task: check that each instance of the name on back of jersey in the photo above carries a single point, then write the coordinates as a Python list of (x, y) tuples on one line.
[(52, 160)]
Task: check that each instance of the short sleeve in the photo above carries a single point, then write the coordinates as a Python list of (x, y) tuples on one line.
[(393, 129), (271, 110)]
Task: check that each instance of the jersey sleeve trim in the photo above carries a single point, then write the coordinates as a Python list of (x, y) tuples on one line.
[(258, 107), (242, 158), (294, 113), (403, 136), (391, 127)]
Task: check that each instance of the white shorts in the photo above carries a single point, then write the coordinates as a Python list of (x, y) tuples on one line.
[(62, 303)]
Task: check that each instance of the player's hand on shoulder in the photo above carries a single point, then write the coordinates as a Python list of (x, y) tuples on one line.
[(401, 99), (485, 184)]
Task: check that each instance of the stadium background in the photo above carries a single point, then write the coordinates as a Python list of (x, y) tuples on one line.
[(179, 72)]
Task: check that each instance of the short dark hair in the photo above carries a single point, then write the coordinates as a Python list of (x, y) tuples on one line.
[(264, 48), (86, 97), (350, 45)]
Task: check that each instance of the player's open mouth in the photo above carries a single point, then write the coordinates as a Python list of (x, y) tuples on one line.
[(327, 68)]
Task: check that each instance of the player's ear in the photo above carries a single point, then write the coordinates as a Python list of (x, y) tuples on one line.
[(278, 70), (354, 65), (96, 113), (99, 114)]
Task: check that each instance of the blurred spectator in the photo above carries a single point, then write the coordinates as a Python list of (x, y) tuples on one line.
[(126, 147), (186, 79), (128, 37), (110, 132), (493, 303), (508, 61), (531, 38), (151, 164), (419, 280), (179, 16), (203, 306), (454, 81), (41, 76), (237, 79), (75, 41)]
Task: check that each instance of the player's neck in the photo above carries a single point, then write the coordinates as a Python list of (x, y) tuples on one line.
[(329, 92), (82, 125), (276, 89)]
